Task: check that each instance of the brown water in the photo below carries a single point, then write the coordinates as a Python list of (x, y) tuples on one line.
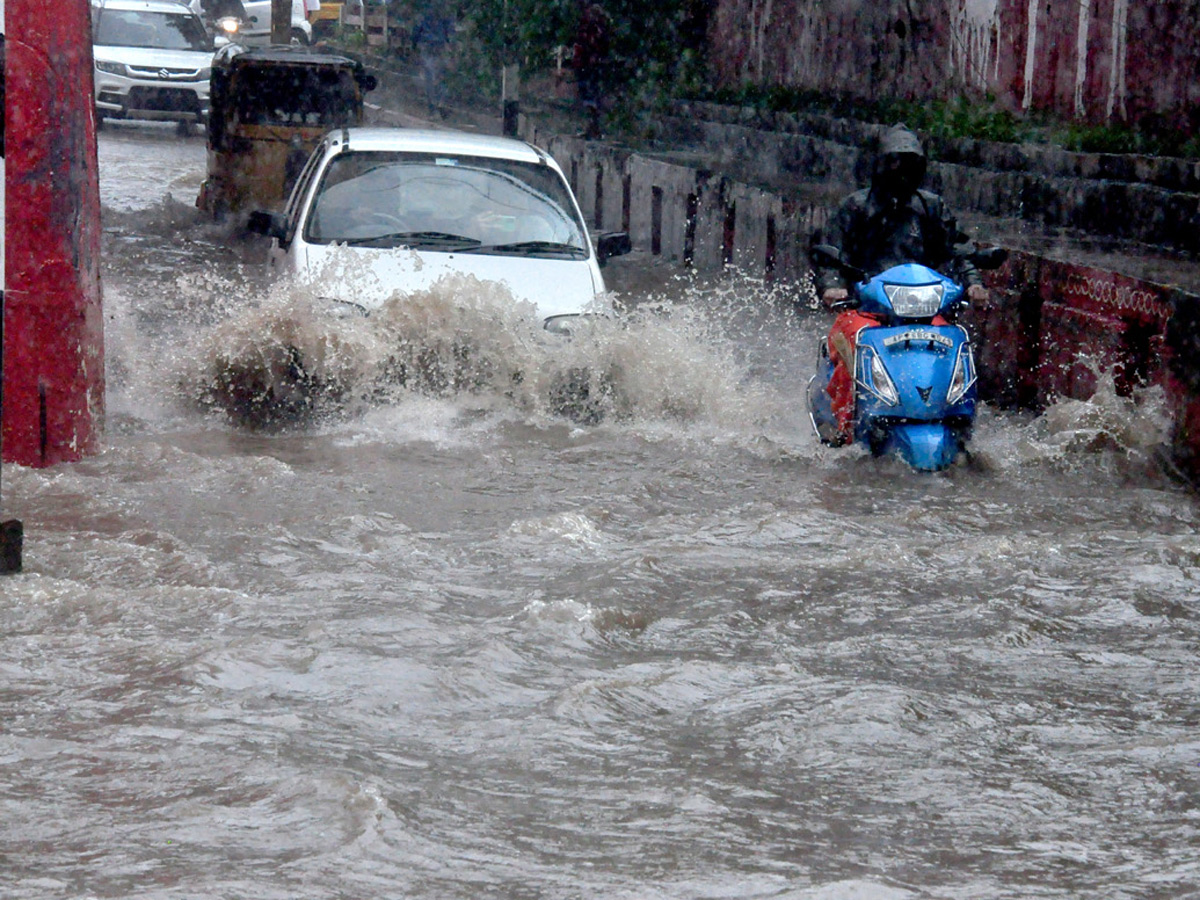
[(441, 643)]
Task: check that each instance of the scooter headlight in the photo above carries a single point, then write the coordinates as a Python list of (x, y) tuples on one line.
[(873, 376), (228, 25), (963, 376), (915, 301)]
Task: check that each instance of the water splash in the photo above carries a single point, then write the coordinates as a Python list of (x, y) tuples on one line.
[(1107, 427), (287, 360)]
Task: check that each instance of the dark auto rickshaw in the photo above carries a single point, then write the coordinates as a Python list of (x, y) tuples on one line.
[(270, 107)]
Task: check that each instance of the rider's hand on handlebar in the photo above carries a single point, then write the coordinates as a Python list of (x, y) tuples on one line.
[(977, 293), (835, 298)]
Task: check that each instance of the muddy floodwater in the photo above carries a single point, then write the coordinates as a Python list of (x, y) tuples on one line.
[(437, 642)]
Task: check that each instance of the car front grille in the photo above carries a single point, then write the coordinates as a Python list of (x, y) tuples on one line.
[(164, 100), (165, 74)]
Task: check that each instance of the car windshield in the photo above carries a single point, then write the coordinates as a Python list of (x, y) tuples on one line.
[(155, 30), (450, 202)]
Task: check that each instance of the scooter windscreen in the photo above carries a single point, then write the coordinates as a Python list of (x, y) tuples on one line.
[(909, 291)]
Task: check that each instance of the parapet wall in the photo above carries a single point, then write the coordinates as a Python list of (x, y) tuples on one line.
[(1048, 328), (1142, 199)]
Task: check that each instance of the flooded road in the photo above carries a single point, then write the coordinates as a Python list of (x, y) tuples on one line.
[(443, 644)]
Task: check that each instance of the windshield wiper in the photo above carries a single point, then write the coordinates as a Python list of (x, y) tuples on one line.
[(415, 239), (534, 248)]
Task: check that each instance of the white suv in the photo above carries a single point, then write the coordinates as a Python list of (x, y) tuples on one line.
[(153, 60)]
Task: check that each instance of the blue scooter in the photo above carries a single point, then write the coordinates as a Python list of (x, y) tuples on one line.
[(914, 380)]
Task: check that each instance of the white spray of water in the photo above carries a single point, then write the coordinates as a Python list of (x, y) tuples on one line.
[(287, 359), (1131, 430)]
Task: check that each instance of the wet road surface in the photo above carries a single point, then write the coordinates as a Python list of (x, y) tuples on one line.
[(444, 644)]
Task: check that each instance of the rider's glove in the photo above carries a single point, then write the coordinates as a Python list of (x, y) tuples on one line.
[(837, 299), (977, 293)]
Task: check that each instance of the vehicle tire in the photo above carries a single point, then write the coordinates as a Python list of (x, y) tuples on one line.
[(299, 37), (184, 128), (581, 396)]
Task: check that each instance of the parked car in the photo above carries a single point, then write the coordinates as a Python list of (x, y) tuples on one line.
[(407, 207), (256, 28), (153, 60)]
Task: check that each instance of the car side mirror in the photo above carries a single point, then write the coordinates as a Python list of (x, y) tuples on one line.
[(612, 243), (367, 83), (265, 223)]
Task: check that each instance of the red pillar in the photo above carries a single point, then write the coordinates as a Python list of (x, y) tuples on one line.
[(54, 333)]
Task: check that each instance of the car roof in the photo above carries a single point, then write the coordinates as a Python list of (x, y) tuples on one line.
[(167, 6), (286, 54), (461, 143)]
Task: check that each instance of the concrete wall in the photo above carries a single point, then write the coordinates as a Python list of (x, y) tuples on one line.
[(1092, 60), (1134, 198)]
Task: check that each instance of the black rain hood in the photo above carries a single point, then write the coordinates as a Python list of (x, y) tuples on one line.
[(900, 165)]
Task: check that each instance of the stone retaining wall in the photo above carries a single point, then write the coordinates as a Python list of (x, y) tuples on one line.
[(1131, 198)]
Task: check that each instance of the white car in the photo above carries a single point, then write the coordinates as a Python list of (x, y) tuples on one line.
[(256, 27), (153, 60), (404, 208)]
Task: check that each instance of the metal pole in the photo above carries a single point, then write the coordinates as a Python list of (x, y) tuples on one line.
[(510, 81), (281, 21)]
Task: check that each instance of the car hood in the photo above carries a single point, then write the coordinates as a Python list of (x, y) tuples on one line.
[(368, 277), (150, 58)]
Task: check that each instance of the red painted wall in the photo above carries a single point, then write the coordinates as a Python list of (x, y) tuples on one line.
[(1140, 59), (53, 335)]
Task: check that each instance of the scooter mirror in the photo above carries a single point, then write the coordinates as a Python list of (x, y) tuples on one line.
[(989, 257), (826, 255), (831, 257)]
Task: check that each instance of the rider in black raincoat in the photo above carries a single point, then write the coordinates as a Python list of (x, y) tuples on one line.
[(890, 223)]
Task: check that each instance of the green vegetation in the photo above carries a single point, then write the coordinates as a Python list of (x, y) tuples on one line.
[(1149, 139), (658, 55), (979, 119), (656, 50)]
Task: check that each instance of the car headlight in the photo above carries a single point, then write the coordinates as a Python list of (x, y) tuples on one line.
[(563, 326), (916, 301), (963, 377), (873, 375), (344, 309), (111, 68), (204, 74)]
